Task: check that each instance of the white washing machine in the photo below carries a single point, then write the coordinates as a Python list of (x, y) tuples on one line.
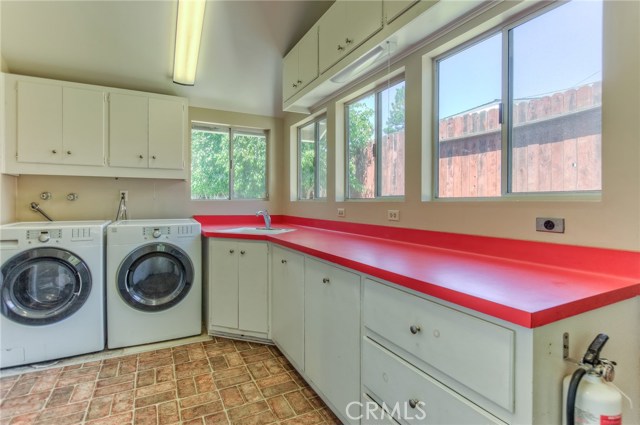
[(51, 290), (154, 283)]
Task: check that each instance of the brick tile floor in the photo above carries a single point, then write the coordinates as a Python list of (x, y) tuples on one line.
[(220, 381)]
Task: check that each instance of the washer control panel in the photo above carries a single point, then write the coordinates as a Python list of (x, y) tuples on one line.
[(156, 232)]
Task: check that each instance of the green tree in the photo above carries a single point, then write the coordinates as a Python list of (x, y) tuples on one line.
[(210, 165), (395, 120), (361, 133)]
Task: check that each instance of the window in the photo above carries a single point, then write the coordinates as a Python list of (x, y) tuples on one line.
[(312, 160), (534, 90), (375, 143), (228, 163)]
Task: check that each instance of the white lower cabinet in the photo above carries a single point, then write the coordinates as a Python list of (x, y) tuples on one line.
[(287, 304), (332, 336), (238, 281)]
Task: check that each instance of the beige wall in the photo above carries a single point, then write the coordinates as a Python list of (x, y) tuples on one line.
[(613, 221), (8, 184), (148, 198)]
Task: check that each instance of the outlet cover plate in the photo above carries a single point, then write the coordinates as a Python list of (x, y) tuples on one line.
[(552, 225)]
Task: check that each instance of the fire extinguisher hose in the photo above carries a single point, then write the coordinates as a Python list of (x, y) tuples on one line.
[(571, 395)]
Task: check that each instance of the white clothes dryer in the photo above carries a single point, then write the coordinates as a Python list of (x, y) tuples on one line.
[(154, 283), (51, 290)]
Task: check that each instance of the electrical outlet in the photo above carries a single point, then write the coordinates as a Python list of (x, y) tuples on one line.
[(124, 193), (341, 212), (393, 215), (553, 225)]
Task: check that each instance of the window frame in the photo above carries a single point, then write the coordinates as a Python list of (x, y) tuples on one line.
[(316, 168), (232, 131), (378, 131), (506, 116)]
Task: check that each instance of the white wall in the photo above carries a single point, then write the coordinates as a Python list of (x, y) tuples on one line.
[(613, 221), (148, 198)]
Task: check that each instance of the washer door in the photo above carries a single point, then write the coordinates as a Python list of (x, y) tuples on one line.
[(155, 277), (43, 286)]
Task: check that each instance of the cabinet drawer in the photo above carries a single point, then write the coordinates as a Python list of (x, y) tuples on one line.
[(373, 414), (395, 383), (476, 353)]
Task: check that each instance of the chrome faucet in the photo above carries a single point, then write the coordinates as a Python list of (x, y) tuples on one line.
[(266, 216)]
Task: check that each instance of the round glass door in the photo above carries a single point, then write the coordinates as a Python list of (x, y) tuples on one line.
[(155, 277), (43, 286)]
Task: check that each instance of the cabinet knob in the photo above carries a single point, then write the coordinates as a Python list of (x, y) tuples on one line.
[(153, 157), (231, 251), (54, 151), (326, 280), (283, 261), (414, 403), (140, 156), (68, 152), (242, 252), (340, 48), (414, 329), (299, 81), (348, 40), (294, 85)]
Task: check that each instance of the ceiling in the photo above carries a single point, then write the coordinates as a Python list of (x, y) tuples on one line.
[(129, 44)]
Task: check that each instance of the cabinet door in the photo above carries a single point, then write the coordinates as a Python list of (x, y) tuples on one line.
[(83, 126), (308, 58), (166, 133), (290, 74), (287, 304), (364, 19), (395, 8), (253, 277), (128, 130), (331, 36), (223, 281), (332, 333), (39, 122)]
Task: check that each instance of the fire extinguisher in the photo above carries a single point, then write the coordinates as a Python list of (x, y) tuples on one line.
[(589, 398)]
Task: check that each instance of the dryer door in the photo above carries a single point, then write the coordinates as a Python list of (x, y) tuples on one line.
[(155, 277), (41, 286)]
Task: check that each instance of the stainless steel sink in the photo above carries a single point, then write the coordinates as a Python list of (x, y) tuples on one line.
[(256, 231)]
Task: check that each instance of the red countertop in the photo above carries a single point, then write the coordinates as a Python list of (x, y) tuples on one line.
[(529, 284)]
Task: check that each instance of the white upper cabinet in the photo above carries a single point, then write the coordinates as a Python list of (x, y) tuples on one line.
[(62, 128), (59, 125), (83, 126), (39, 123), (345, 26), (128, 130), (145, 132), (395, 8), (166, 133), (300, 66)]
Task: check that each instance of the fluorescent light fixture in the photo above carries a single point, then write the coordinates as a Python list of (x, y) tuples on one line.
[(365, 62), (188, 34)]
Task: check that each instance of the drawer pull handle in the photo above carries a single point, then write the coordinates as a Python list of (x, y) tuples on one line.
[(414, 403), (325, 280), (242, 252), (414, 329), (231, 251), (283, 261)]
